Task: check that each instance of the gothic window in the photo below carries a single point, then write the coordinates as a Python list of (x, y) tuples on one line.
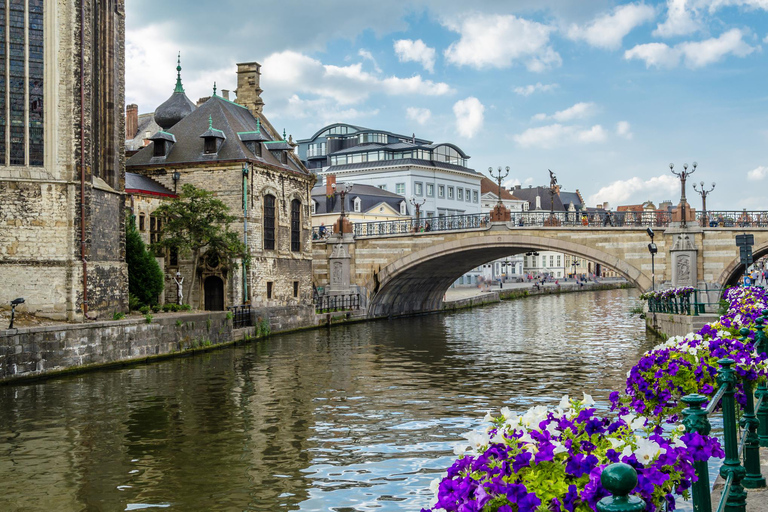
[(141, 222), (295, 225), (210, 145), (269, 222), (21, 80), (155, 227), (358, 204), (173, 257)]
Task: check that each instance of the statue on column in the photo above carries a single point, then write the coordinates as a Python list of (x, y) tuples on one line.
[(179, 293)]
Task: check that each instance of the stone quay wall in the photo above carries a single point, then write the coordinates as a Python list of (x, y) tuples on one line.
[(677, 325)]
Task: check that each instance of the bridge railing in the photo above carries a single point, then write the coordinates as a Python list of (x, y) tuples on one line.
[(733, 219), (397, 227), (328, 303), (595, 218)]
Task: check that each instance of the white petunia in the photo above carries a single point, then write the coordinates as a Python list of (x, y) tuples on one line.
[(488, 416), (615, 443), (565, 402), (587, 401), (477, 439), (459, 449), (647, 450)]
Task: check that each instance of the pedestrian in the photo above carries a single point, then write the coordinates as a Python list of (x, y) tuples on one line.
[(321, 231), (608, 219)]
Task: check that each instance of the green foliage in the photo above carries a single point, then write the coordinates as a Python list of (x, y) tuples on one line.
[(196, 223), (637, 309), (145, 279), (133, 302), (118, 315), (144, 310), (185, 307), (723, 307), (262, 327), (171, 307), (179, 323), (148, 318), (230, 315), (208, 324), (156, 308)]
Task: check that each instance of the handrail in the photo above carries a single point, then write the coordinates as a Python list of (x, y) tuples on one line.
[(715, 400), (726, 493)]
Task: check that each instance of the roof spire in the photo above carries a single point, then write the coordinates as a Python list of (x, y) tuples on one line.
[(179, 87), (258, 125), (210, 122), (283, 133), (214, 88)]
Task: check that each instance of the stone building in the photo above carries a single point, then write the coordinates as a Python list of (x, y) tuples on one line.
[(230, 148), (62, 225)]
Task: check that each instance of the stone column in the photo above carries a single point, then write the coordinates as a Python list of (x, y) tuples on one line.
[(684, 258), (339, 274)]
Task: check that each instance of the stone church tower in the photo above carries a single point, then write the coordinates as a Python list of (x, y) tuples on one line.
[(62, 175)]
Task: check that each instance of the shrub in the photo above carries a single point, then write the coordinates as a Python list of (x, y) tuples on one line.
[(145, 279), (118, 315), (167, 308), (133, 302), (185, 307), (144, 310), (156, 308), (148, 318)]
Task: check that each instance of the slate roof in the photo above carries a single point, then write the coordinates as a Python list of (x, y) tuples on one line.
[(369, 195), (174, 109), (562, 201), (400, 162), (146, 124), (138, 184), (226, 116)]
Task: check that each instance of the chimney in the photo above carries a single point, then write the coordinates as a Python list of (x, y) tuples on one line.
[(248, 90), (225, 94), (131, 120), (330, 181), (202, 100), (605, 205)]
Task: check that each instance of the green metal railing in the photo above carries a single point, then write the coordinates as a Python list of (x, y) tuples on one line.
[(685, 304)]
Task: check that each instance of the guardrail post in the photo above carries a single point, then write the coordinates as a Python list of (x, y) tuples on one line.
[(761, 345), (754, 478), (695, 420), (737, 499), (620, 479)]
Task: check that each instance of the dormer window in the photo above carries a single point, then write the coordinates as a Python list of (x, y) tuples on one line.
[(163, 142), (253, 139), (358, 204), (213, 138), (403, 208)]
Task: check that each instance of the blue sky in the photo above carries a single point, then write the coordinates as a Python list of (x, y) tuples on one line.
[(606, 94)]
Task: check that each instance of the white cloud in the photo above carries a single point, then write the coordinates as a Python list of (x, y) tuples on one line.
[(416, 51), (695, 54), (757, 174), (469, 116), (366, 55), (608, 30), (765, 39), (420, 115), (499, 41), (624, 130), (635, 190), (537, 87), (287, 73), (321, 111), (580, 110), (680, 20), (554, 135)]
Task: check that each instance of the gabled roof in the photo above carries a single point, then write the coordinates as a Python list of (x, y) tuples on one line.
[(228, 117), (561, 200), (487, 185)]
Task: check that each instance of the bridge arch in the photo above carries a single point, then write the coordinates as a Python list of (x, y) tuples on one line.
[(734, 270), (416, 282)]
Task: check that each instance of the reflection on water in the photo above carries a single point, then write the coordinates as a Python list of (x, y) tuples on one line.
[(349, 419)]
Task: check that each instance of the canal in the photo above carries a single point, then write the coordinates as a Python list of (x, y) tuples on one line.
[(352, 418)]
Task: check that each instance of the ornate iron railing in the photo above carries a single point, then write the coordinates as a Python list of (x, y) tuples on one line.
[(396, 227), (733, 219), (241, 316), (329, 303)]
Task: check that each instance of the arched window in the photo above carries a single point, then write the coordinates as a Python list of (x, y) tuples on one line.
[(269, 222), (358, 204), (295, 225), (403, 208)]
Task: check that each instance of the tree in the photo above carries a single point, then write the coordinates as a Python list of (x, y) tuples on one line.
[(196, 223), (145, 279)]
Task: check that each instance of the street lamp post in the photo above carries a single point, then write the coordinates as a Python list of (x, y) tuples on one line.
[(417, 205), (342, 191), (575, 264), (683, 176), (653, 250), (704, 193), (499, 177)]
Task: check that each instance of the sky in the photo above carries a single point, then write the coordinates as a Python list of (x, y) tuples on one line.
[(606, 94)]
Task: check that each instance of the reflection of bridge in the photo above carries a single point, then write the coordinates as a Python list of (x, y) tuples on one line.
[(404, 267)]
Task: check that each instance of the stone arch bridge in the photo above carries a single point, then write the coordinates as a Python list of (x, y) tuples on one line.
[(408, 273)]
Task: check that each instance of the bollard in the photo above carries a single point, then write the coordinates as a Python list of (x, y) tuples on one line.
[(737, 499), (695, 420), (761, 346), (620, 479)]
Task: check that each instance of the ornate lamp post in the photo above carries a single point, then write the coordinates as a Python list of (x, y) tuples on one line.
[(552, 192), (417, 205), (704, 193), (342, 191), (683, 176), (498, 179)]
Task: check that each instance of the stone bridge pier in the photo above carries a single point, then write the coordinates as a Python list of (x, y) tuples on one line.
[(408, 273)]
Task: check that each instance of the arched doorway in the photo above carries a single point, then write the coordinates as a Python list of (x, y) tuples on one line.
[(214, 293)]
